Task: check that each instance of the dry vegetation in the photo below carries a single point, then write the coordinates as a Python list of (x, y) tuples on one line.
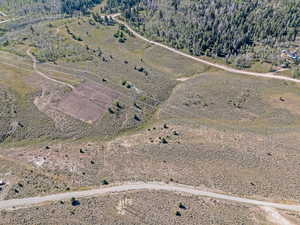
[(138, 208), (84, 53), (232, 100), (137, 122), (262, 166)]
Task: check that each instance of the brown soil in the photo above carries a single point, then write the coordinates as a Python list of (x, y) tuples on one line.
[(88, 102)]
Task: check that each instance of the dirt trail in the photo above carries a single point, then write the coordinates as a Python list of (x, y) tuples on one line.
[(44, 75), (138, 186)]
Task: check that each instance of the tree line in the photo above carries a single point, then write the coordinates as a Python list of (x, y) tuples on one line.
[(71, 6), (221, 28)]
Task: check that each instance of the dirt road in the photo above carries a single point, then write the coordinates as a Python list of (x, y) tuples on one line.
[(2, 13), (138, 186), (4, 21), (222, 67)]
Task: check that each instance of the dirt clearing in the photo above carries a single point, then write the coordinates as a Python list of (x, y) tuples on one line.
[(88, 102)]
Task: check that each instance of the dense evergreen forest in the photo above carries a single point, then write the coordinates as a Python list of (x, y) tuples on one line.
[(70, 6), (36, 7), (213, 27)]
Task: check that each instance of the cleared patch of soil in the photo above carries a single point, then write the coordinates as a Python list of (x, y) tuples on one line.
[(88, 102)]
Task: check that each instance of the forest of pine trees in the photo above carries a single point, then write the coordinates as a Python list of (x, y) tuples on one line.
[(221, 28), (69, 6)]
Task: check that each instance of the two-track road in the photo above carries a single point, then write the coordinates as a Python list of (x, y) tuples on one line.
[(139, 186)]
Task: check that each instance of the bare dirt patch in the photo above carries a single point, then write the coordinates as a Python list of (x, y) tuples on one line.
[(87, 102), (183, 78)]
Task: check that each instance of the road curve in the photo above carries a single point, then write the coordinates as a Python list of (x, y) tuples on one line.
[(4, 21), (2, 13), (137, 186), (44, 75), (223, 67)]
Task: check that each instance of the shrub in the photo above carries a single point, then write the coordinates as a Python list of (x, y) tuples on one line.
[(110, 110), (296, 72), (104, 182), (178, 213), (137, 118), (75, 202), (243, 61)]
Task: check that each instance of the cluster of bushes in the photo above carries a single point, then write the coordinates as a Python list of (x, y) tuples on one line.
[(70, 52), (52, 47), (141, 69), (83, 6), (104, 20), (116, 108), (74, 36), (121, 33), (120, 36)]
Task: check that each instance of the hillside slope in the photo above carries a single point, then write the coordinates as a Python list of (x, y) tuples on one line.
[(256, 30)]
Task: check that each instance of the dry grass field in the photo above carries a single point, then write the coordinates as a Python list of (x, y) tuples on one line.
[(236, 101), (131, 70), (140, 113), (139, 208), (232, 161)]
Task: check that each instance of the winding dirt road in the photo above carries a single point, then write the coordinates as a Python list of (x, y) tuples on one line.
[(44, 75), (222, 67), (219, 66), (2, 13), (138, 186), (4, 21), (175, 188)]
